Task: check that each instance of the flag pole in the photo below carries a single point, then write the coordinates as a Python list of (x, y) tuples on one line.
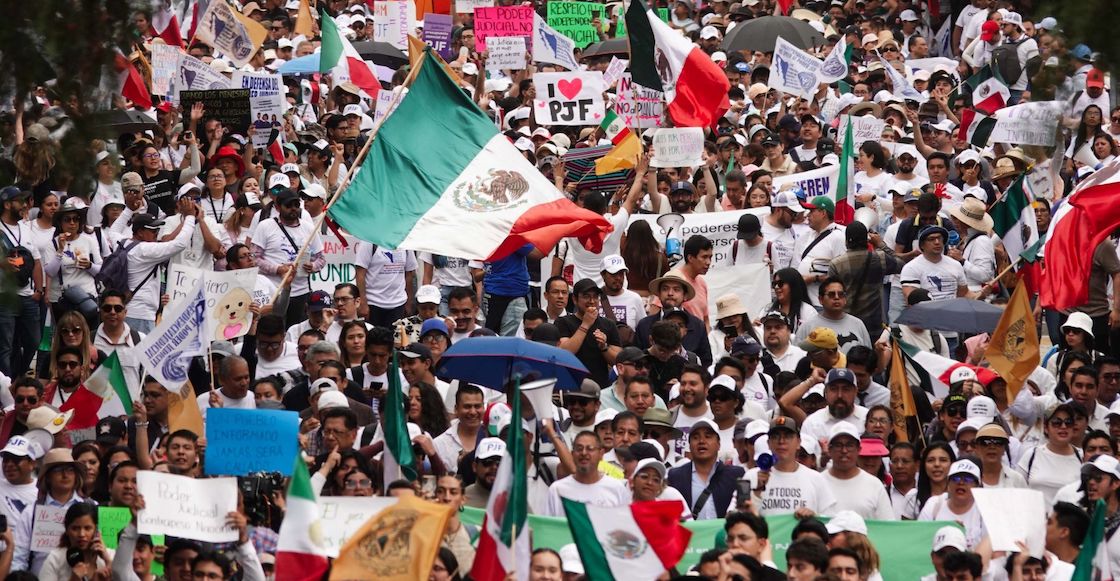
[(350, 172)]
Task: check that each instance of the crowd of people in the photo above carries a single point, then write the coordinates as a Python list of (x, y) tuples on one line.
[(740, 408)]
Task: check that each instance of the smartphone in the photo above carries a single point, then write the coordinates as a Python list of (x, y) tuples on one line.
[(3, 523), (744, 489), (187, 135)]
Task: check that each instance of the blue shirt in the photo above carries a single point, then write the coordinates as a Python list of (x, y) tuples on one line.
[(509, 277)]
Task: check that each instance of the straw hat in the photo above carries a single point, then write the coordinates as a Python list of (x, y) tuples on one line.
[(1004, 168), (973, 212), (673, 276)]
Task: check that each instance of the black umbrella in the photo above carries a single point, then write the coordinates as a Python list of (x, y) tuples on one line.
[(117, 121), (609, 47), (958, 315), (762, 34), (381, 53)]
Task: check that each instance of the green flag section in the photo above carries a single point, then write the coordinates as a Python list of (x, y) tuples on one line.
[(1093, 540), (636, 541), (108, 383), (300, 553), (903, 545), (845, 208), (1013, 219), (398, 458), (330, 49), (47, 337)]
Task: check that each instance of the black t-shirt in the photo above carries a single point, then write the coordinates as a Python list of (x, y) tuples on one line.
[(589, 353), (161, 188)]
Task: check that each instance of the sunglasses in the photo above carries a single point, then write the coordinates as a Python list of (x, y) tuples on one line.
[(963, 479), (67, 364), (70, 331), (955, 411), (890, 49), (27, 399), (990, 442), (1116, 119), (1059, 422), (721, 397), (112, 308), (836, 294), (777, 284)]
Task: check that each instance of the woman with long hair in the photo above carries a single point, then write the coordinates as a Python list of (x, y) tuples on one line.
[(1069, 361), (1047, 467), (352, 343), (758, 196), (791, 297), (933, 475), (446, 567), (70, 330), (1092, 121), (80, 533), (645, 260), (74, 259), (426, 408), (42, 225), (238, 221), (88, 456), (957, 503)]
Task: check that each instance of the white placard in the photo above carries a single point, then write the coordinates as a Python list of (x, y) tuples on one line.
[(342, 516), (384, 105), (266, 100), (185, 507), (900, 86), (390, 22), (228, 296), (505, 52), (751, 282), (678, 147), (815, 182), (614, 70), (48, 528), (195, 75), (722, 228), (640, 107), (1027, 124), (340, 266), (552, 47), (793, 70), (574, 98), (864, 128), (1026, 523), (165, 64)]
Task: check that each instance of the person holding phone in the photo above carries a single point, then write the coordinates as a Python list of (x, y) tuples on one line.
[(81, 554)]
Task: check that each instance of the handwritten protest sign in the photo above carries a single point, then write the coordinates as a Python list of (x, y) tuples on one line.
[(678, 147), (384, 105), (573, 20), (1027, 124), (864, 128), (614, 70), (48, 528), (266, 102), (230, 106), (793, 70), (228, 296), (505, 52), (187, 508), (242, 441), (111, 520), (340, 263), (574, 98), (195, 75), (620, 28), (468, 6), (503, 21), (390, 22), (342, 516), (165, 64), (640, 107), (549, 46), (437, 33)]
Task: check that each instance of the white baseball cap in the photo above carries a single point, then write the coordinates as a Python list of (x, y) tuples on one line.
[(428, 294), (605, 415), (973, 424), (314, 191), (1105, 463), (349, 110), (949, 537), (332, 399), (846, 521), (908, 16), (613, 264), (289, 168), (569, 558), (843, 429), (489, 448), (962, 373), (965, 467), (279, 179), (322, 384), (709, 32), (21, 446), (654, 463), (787, 199), (982, 407)]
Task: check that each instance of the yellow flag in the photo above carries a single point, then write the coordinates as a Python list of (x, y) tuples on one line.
[(622, 156), (257, 32), (397, 544), (902, 399), (305, 22), (1013, 349), (182, 411), (416, 48)]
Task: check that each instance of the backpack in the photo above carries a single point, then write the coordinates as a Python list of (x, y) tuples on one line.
[(114, 271)]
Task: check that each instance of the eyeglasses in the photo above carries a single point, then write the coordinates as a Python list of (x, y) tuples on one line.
[(27, 399), (836, 294), (879, 421), (845, 445), (1069, 330), (963, 479), (965, 444), (777, 284), (1059, 422), (270, 344), (112, 308), (990, 442), (343, 299), (69, 330), (216, 177), (68, 364), (362, 483), (1110, 376), (151, 156), (1116, 119), (637, 364), (955, 411)]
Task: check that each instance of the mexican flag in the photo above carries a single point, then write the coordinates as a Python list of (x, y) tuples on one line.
[(1013, 219), (975, 128), (627, 147), (398, 460), (300, 553), (932, 371), (845, 213), (474, 196), (165, 24), (131, 82), (637, 541), (503, 542), (109, 384), (989, 93), (338, 57), (660, 58)]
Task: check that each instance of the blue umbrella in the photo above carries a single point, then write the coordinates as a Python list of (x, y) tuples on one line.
[(958, 314), (494, 361), (301, 65)]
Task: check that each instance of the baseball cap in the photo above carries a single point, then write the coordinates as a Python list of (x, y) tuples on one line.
[(960, 374), (703, 423), (654, 463), (989, 30), (349, 110), (674, 312), (681, 186), (749, 227), (318, 300), (293, 168), (745, 345), (428, 295), (416, 351), (130, 180), (709, 32), (770, 141), (613, 264), (629, 354), (321, 385), (843, 429), (588, 389), (787, 199), (724, 382), (782, 423), (146, 221), (110, 430), (569, 553), (930, 231), (821, 203), (846, 521), (187, 188), (1103, 463), (435, 324), (776, 316), (49, 419), (754, 428), (489, 448), (21, 446), (820, 338), (1095, 79), (965, 467), (908, 16), (949, 536), (313, 191), (1048, 23), (605, 415), (585, 286), (982, 407), (278, 180), (855, 235), (971, 424), (840, 374)]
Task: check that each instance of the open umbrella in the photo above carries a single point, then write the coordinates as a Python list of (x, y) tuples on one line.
[(609, 47), (381, 53), (762, 34), (116, 122), (494, 361), (959, 315)]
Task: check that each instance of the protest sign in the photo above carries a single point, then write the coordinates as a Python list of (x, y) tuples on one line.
[(228, 296), (503, 21), (793, 70), (266, 103), (185, 507), (165, 65), (340, 264), (468, 6), (749, 281), (166, 352), (384, 105), (815, 182), (236, 36), (864, 128), (195, 75), (574, 98), (505, 52), (341, 516), (620, 28), (1027, 523), (930, 64), (721, 228), (549, 46), (900, 86), (111, 520), (640, 107), (1027, 124), (230, 106), (48, 528), (573, 20), (614, 70), (241, 441), (390, 22), (678, 147), (437, 33)]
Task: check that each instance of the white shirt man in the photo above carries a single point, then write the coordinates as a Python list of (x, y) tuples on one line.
[(387, 273), (277, 242), (853, 488), (777, 229), (587, 485), (626, 305), (145, 258)]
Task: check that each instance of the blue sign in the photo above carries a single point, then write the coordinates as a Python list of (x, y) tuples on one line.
[(240, 441)]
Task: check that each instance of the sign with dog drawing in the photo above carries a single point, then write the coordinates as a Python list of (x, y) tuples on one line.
[(228, 297)]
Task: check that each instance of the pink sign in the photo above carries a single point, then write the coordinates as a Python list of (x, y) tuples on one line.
[(503, 21)]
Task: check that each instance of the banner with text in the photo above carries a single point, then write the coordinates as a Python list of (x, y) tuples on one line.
[(341, 516), (574, 98), (678, 147), (1027, 124), (166, 352), (864, 128), (640, 107), (390, 22), (722, 228), (815, 182), (240, 441), (793, 70), (340, 263), (185, 507), (237, 37), (573, 20), (266, 101), (503, 21), (230, 106)]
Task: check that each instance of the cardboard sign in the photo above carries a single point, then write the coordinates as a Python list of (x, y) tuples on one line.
[(186, 507), (549, 46), (165, 64), (341, 516), (385, 104), (614, 70), (390, 22), (195, 75), (228, 295), (1027, 523), (437, 33), (1027, 124), (237, 37), (48, 528), (111, 520), (793, 70), (503, 21), (574, 98), (573, 20), (678, 147), (640, 107), (468, 6), (864, 128), (505, 52), (241, 441), (340, 263), (230, 106), (266, 101)]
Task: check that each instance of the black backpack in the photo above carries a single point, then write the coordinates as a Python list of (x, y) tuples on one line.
[(114, 271)]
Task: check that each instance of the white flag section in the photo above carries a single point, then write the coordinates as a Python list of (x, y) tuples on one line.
[(220, 28), (834, 66), (793, 70), (751, 282), (1027, 124), (167, 350), (552, 47), (815, 182), (900, 87)]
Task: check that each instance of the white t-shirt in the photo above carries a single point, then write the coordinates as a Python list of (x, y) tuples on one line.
[(937, 508), (607, 492), (385, 273), (195, 255), (455, 272), (262, 293), (803, 488), (219, 210), (628, 307), (589, 264), (820, 422), (963, 19), (877, 185), (759, 389), (278, 250), (782, 242), (815, 260), (940, 278), (287, 361), (1046, 471), (249, 402), (684, 423), (864, 494), (84, 246)]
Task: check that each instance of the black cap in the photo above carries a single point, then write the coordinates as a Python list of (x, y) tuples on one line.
[(286, 195), (546, 333), (674, 311), (770, 140), (110, 431), (749, 227), (585, 286), (855, 234), (682, 185), (147, 221), (13, 193), (789, 123), (629, 354), (918, 295), (416, 351)]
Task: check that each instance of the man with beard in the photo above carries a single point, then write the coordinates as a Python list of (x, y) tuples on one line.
[(777, 229), (620, 304), (487, 457), (907, 162), (776, 333), (276, 243), (673, 290), (682, 197), (694, 407), (587, 485), (582, 405), (854, 489), (68, 377), (706, 484), (840, 395), (459, 439)]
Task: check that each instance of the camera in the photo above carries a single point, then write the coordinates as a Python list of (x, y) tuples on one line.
[(257, 490)]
